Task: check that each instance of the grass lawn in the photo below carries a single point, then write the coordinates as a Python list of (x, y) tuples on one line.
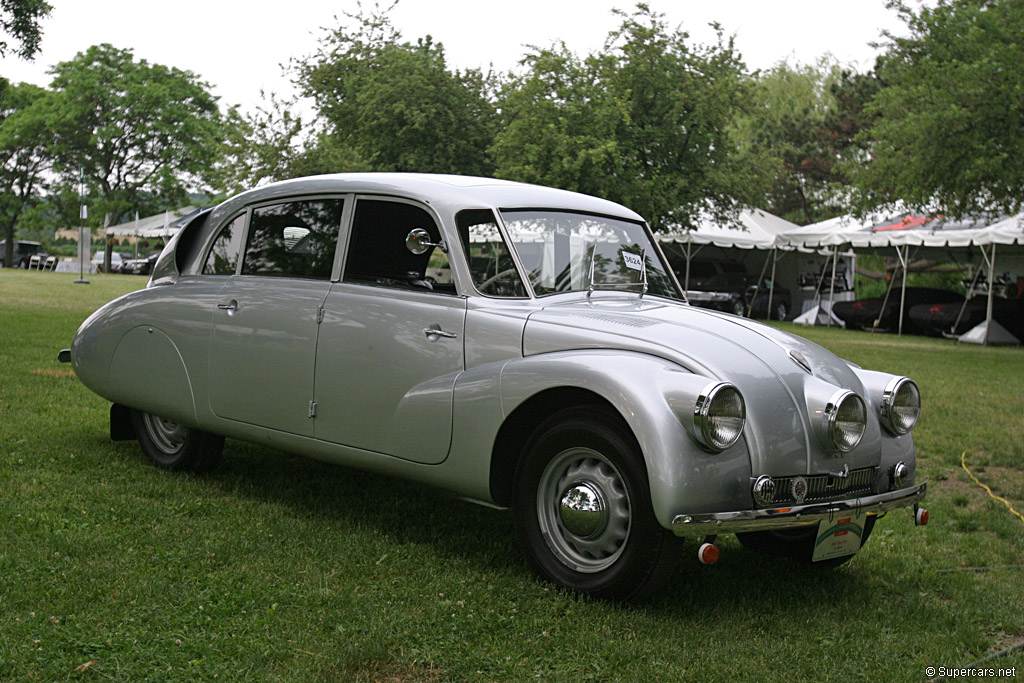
[(278, 568)]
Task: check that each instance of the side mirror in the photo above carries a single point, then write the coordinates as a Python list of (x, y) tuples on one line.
[(418, 242)]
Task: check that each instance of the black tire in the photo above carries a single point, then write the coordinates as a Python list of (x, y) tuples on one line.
[(175, 446), (624, 553), (738, 308), (798, 544), (781, 311)]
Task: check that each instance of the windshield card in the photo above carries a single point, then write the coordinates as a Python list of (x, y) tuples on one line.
[(838, 536), (634, 261)]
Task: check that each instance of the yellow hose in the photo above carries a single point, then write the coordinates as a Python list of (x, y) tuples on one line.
[(963, 463)]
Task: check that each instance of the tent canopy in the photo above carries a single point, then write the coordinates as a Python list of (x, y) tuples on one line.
[(908, 230), (159, 225), (758, 230)]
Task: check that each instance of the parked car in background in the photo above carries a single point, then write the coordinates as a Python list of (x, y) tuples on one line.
[(863, 313), (116, 261), (701, 269), (738, 293), (139, 266), (24, 250), (555, 370), (954, 319)]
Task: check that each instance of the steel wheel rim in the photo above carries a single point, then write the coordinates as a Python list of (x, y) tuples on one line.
[(571, 468), (167, 435)]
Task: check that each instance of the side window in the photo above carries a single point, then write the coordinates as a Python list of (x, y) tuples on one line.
[(377, 252), (223, 258), (490, 262), (294, 239)]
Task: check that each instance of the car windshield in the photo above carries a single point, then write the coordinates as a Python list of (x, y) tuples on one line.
[(560, 249)]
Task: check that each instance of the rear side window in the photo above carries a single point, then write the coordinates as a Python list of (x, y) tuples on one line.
[(294, 239), (223, 257)]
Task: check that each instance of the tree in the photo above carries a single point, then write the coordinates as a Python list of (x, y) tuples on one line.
[(140, 135), (385, 104), (949, 132), (20, 19), (800, 129), (24, 138), (645, 122)]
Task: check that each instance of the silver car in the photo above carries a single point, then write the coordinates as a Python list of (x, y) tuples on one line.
[(547, 364)]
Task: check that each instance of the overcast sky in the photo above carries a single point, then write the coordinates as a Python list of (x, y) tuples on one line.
[(240, 51)]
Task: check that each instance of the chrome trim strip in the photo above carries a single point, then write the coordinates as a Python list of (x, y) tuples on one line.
[(703, 524)]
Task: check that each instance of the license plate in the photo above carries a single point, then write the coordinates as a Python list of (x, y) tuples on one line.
[(838, 536)]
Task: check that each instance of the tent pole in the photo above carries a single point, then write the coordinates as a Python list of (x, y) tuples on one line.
[(832, 283), (885, 301), (967, 296), (991, 288), (771, 283), (686, 282), (903, 292), (757, 289)]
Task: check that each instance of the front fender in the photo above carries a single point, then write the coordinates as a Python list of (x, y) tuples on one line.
[(655, 398)]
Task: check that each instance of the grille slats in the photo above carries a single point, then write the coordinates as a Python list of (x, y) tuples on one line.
[(823, 487)]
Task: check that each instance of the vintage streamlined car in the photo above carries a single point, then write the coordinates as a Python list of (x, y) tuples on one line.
[(548, 363)]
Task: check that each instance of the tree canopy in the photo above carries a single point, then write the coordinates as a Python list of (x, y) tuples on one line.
[(19, 19), (24, 138), (386, 104), (800, 131), (139, 135), (949, 129), (644, 122)]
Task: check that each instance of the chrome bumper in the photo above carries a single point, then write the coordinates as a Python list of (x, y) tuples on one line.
[(706, 524)]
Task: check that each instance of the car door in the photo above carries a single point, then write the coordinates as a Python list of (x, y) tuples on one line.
[(263, 347), (391, 340)]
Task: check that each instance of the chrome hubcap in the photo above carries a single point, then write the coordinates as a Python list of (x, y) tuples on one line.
[(167, 435), (583, 510)]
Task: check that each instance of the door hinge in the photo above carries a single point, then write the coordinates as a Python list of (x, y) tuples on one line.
[(319, 315), (312, 409)]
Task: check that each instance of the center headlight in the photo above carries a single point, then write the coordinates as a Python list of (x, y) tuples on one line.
[(845, 418), (719, 415), (901, 405)]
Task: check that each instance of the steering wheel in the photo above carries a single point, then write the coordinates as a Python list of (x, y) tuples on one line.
[(494, 278)]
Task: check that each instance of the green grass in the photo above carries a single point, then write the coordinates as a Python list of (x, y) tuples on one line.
[(279, 568)]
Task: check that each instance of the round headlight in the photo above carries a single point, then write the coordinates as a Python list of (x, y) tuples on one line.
[(845, 418), (901, 405), (719, 416)]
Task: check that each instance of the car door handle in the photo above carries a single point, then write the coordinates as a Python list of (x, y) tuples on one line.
[(229, 306), (438, 332)]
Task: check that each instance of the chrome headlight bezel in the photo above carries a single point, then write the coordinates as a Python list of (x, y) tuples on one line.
[(719, 416), (838, 419), (892, 413)]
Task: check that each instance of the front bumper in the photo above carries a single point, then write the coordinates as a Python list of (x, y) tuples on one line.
[(710, 523)]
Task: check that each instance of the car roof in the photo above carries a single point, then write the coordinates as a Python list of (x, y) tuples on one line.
[(438, 190)]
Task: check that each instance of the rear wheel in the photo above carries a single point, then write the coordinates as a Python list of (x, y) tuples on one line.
[(582, 508), (781, 311), (798, 543), (175, 446)]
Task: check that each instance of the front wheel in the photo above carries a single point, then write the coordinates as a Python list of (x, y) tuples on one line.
[(582, 508), (798, 543), (175, 446)]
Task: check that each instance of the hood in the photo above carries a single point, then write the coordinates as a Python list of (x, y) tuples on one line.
[(775, 371)]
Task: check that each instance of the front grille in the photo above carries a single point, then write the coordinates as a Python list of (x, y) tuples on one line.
[(823, 487)]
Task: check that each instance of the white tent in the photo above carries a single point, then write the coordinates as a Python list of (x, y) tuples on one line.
[(754, 229), (903, 231), (158, 225)]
